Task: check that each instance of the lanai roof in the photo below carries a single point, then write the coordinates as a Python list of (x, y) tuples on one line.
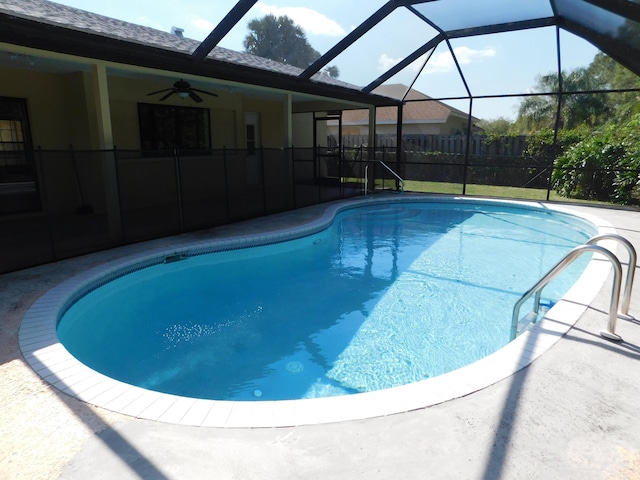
[(610, 25)]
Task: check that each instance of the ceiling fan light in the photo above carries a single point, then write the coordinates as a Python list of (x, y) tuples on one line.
[(183, 94)]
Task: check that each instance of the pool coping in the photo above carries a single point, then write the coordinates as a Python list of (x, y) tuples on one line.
[(47, 356)]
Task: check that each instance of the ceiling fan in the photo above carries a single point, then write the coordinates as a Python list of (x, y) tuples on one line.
[(183, 89)]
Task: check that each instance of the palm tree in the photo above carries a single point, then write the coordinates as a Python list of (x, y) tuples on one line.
[(581, 103)]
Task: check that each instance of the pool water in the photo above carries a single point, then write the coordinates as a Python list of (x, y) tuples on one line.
[(388, 295)]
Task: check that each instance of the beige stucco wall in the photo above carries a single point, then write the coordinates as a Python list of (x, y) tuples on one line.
[(272, 128), (126, 93), (63, 110), (411, 129), (303, 130), (453, 125), (224, 128), (321, 133), (56, 105)]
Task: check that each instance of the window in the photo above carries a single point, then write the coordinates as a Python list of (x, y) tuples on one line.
[(165, 127), (18, 190)]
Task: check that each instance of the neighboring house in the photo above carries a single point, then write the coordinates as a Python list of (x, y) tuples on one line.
[(421, 115)]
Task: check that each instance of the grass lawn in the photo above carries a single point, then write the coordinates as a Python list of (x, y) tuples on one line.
[(487, 191)]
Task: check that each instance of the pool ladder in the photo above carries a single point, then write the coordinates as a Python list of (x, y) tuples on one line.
[(614, 312), (365, 185)]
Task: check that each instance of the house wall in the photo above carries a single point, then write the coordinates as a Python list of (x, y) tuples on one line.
[(303, 130), (224, 128), (63, 111), (455, 126), (321, 132), (303, 125), (452, 126), (126, 93), (272, 129), (409, 129), (226, 114), (82, 132), (56, 105), (347, 130), (58, 119)]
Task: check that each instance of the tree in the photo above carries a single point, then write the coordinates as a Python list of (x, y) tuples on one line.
[(616, 77), (280, 39), (332, 71), (498, 126), (577, 108), (596, 148), (539, 112)]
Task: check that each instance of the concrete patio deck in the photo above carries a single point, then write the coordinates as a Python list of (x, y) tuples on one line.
[(572, 414)]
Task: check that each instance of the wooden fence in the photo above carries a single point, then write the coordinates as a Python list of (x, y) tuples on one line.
[(456, 144)]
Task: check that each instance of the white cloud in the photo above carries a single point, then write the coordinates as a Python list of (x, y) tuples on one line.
[(202, 24), (309, 20), (146, 21), (443, 62), (440, 62), (385, 62)]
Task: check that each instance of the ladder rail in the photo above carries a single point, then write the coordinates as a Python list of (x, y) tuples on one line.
[(556, 270), (631, 267), (398, 177), (365, 185)]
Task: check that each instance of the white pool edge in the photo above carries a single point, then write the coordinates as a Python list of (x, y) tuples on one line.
[(49, 358)]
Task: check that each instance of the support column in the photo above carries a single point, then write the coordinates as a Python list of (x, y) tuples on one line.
[(288, 120), (371, 149), (100, 95), (399, 122), (372, 127), (288, 145)]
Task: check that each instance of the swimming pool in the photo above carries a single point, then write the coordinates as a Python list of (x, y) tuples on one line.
[(380, 268)]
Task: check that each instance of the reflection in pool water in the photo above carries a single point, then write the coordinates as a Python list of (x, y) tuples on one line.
[(388, 295)]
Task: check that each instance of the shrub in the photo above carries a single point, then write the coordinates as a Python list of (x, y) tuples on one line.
[(603, 166), (626, 186), (584, 171), (541, 144)]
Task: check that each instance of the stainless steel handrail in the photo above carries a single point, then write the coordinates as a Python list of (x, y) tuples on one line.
[(631, 268), (394, 174), (557, 269), (366, 180)]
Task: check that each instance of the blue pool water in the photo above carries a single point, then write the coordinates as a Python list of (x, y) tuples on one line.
[(389, 294)]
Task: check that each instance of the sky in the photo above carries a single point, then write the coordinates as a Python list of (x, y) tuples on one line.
[(492, 64)]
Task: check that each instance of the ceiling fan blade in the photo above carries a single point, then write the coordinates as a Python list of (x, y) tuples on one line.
[(202, 91), (159, 91), (194, 96), (173, 90)]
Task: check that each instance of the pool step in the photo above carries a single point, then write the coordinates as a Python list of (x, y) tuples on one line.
[(532, 317), (176, 257), (529, 318)]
